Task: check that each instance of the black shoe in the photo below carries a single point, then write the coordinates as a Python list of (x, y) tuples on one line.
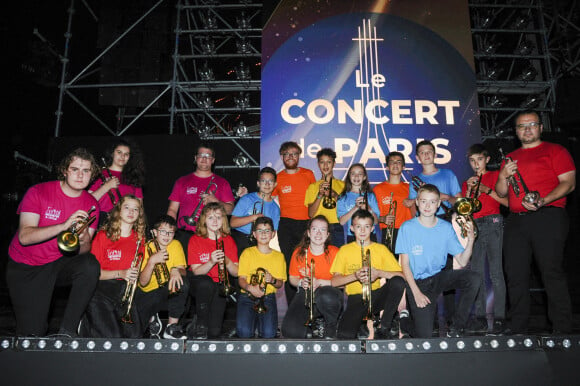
[(318, 328), (453, 332), (363, 331), (476, 326), (498, 327), (383, 334), (394, 330), (330, 331), (155, 325), (200, 331), (174, 331)]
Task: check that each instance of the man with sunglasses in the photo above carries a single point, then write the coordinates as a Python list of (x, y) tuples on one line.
[(537, 226)]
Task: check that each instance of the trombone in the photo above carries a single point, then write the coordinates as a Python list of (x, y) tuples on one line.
[(68, 241), (129, 294), (192, 220), (390, 229)]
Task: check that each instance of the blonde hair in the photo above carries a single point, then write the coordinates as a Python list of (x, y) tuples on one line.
[(201, 229), (113, 226)]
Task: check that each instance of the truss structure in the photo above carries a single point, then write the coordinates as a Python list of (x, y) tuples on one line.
[(522, 48)]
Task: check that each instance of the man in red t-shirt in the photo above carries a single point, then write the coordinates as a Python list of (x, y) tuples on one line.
[(488, 244), (537, 225), (293, 182), (36, 265)]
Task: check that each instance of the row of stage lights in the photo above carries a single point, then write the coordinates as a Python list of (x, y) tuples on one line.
[(410, 346)]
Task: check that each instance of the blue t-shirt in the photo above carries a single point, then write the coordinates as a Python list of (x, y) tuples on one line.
[(245, 207), (427, 248), (445, 180), (346, 203)]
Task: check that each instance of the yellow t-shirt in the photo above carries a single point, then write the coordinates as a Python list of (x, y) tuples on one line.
[(349, 260), (176, 259), (273, 262), (312, 192)]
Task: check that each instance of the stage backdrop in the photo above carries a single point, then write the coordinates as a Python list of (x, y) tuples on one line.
[(366, 78)]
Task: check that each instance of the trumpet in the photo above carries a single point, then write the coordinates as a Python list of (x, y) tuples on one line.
[(309, 301), (192, 220), (104, 179), (160, 269), (225, 289), (530, 197), (365, 198), (328, 202), (259, 279), (390, 229), (367, 287), (463, 210), (129, 294), (68, 241), (474, 196)]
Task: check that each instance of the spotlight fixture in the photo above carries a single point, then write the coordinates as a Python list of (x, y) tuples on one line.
[(243, 46), (241, 161), (490, 46), (209, 20), (241, 130), (242, 72), (243, 21), (528, 74), (494, 71), (206, 73), (208, 46), (242, 101), (531, 101), (497, 101), (204, 101), (524, 48), (203, 130), (521, 21)]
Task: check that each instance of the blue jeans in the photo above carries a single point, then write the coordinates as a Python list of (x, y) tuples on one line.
[(489, 244), (247, 318)]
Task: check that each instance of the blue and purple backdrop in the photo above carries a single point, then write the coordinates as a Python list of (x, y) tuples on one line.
[(366, 78)]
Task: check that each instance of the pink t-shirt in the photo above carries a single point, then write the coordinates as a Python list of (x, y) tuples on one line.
[(54, 207), (105, 202), (200, 249), (187, 191)]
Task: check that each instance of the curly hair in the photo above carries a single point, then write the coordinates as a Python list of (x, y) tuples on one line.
[(201, 229), (80, 153), (365, 186), (304, 243), (113, 226), (134, 171)]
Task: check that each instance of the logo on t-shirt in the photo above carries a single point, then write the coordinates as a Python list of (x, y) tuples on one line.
[(386, 200), (417, 250), (52, 214), (287, 189), (114, 254), (191, 190), (204, 257)]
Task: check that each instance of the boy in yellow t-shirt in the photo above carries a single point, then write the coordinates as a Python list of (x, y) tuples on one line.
[(257, 301), (348, 271), (175, 291)]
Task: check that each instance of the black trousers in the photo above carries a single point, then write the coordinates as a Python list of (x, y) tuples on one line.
[(154, 301), (210, 307), (541, 234), (328, 304), (290, 232), (31, 289), (385, 298)]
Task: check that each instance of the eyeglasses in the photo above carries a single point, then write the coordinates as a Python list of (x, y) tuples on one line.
[(267, 182), (293, 155), (264, 231), (163, 232), (204, 155), (530, 125)]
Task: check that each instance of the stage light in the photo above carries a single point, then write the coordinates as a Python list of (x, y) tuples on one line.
[(528, 342), (497, 101), (242, 101), (299, 348), (208, 46), (209, 20), (41, 344), (494, 343), (494, 71), (409, 346), (352, 347), (392, 346), (6, 343), (566, 343), (282, 348), (460, 344), (264, 348), (530, 102), (243, 21), (204, 101), (528, 74), (443, 345), (243, 46), (550, 343), (74, 344), (107, 345), (242, 72), (206, 73), (490, 46), (521, 21), (241, 161), (241, 130), (477, 344), (511, 343), (204, 130), (525, 47), (229, 347), (426, 346), (124, 346)]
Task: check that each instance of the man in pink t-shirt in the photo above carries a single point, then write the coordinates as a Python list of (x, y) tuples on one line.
[(193, 191), (537, 226), (36, 264)]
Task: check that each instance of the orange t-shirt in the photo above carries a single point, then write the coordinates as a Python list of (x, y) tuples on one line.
[(291, 190), (321, 265), (400, 192)]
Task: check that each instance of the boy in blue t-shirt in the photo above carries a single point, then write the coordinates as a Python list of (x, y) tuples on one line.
[(423, 244)]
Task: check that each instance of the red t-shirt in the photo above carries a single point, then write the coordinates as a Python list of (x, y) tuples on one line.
[(200, 249), (115, 255), (291, 190), (540, 167), (321, 266), (489, 206), (400, 192), (105, 203), (54, 207)]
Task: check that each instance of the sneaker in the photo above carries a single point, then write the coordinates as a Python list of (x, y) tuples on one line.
[(330, 331), (155, 325), (318, 328), (174, 331), (476, 326), (498, 327), (200, 331), (453, 332)]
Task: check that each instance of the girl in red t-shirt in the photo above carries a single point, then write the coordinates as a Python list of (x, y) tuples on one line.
[(300, 321), (210, 251)]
